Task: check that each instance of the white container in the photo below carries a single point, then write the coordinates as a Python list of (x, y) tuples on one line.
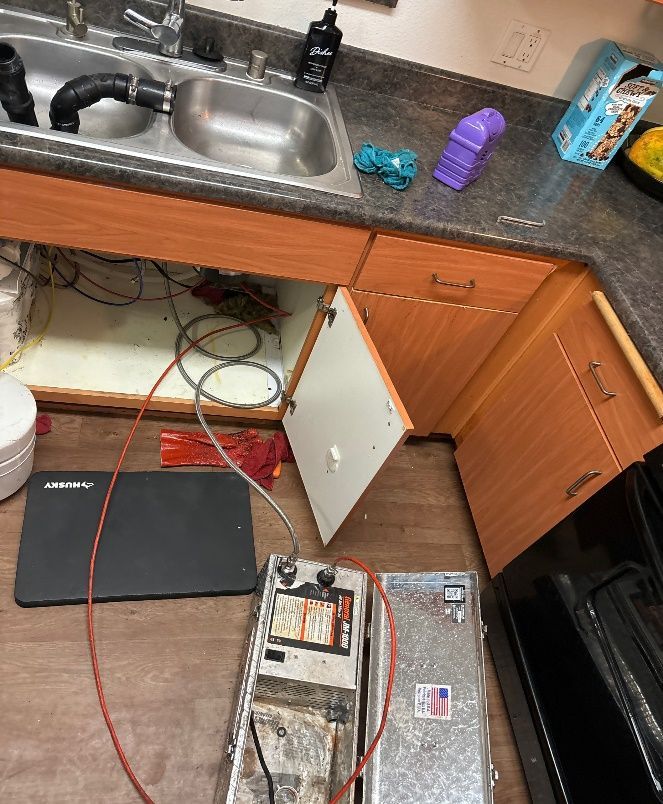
[(18, 414), (17, 293)]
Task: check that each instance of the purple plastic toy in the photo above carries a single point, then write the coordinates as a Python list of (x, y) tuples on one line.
[(470, 146)]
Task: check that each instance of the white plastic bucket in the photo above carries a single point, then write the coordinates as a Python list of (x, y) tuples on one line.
[(18, 414)]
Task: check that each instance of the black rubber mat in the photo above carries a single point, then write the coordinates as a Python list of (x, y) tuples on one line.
[(167, 534)]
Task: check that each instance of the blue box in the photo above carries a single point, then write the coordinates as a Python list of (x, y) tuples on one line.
[(618, 90)]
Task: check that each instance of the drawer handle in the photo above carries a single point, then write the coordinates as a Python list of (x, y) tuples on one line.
[(470, 284), (593, 366), (572, 490), (367, 312)]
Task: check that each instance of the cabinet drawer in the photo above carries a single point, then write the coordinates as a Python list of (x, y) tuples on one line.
[(403, 267), (533, 457), (621, 405)]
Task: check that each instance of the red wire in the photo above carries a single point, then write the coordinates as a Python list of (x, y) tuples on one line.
[(390, 679), (93, 558), (124, 295), (90, 589)]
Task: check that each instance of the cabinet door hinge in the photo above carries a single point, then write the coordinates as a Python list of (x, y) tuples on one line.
[(290, 402), (327, 309)]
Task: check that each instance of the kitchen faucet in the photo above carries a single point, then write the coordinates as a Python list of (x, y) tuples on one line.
[(168, 32)]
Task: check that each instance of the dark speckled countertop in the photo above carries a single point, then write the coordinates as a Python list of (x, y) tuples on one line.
[(597, 217)]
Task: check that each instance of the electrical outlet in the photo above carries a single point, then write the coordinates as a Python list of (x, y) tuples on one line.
[(521, 45)]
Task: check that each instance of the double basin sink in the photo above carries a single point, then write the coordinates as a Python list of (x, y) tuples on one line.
[(224, 122)]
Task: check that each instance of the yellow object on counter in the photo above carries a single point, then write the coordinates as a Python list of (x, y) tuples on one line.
[(647, 152)]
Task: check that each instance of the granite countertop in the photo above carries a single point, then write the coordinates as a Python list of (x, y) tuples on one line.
[(597, 217)]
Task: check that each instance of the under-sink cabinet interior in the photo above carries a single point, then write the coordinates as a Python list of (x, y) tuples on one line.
[(324, 379), (110, 354)]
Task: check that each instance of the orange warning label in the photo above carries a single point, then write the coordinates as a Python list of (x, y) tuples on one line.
[(304, 620), (313, 618)]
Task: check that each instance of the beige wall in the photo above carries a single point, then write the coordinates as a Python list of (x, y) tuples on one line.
[(462, 35)]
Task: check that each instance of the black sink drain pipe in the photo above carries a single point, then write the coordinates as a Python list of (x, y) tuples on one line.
[(84, 91), (15, 97)]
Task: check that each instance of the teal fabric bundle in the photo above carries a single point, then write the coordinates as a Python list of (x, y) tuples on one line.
[(395, 168)]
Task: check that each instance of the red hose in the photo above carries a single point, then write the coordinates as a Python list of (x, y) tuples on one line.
[(93, 558), (90, 618), (390, 679)]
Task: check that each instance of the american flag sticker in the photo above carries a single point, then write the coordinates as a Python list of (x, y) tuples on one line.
[(432, 701)]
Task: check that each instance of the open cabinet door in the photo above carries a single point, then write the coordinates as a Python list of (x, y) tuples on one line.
[(347, 418)]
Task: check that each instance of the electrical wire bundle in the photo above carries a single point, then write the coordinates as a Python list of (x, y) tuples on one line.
[(51, 256), (139, 266), (71, 277)]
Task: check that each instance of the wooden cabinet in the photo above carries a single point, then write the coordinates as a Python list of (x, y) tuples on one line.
[(80, 214), (430, 350), (619, 400), (440, 272), (533, 456), (543, 431)]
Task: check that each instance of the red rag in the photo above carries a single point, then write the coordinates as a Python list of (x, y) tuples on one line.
[(180, 448), (256, 457), (209, 293), (264, 458), (43, 424)]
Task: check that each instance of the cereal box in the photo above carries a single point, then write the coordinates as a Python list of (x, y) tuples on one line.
[(621, 85)]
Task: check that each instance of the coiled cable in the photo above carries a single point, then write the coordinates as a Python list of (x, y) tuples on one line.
[(236, 361), (197, 347), (229, 360)]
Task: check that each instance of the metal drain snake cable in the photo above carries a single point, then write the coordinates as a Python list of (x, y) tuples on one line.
[(290, 562), (183, 334), (196, 343), (294, 555)]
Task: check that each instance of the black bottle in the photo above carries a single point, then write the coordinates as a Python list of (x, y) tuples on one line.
[(320, 50)]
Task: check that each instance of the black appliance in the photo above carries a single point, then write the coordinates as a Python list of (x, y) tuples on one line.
[(575, 624)]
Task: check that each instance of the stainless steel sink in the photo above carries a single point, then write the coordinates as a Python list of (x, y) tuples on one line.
[(223, 122), (48, 64), (259, 129)]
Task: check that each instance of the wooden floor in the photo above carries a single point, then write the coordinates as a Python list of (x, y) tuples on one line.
[(169, 667)]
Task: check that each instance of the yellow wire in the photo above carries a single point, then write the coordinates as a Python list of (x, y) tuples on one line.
[(38, 338)]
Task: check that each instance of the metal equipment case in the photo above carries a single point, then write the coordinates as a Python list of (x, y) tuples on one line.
[(435, 748), (302, 681)]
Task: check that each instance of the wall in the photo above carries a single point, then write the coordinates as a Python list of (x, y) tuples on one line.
[(462, 35)]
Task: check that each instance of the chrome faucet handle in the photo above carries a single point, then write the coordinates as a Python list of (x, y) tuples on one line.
[(144, 23), (168, 32)]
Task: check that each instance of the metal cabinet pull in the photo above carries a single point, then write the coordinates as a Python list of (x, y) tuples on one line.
[(593, 365), (366, 314), (470, 284), (572, 490)]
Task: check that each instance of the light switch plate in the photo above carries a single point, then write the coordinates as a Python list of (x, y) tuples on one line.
[(520, 46)]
